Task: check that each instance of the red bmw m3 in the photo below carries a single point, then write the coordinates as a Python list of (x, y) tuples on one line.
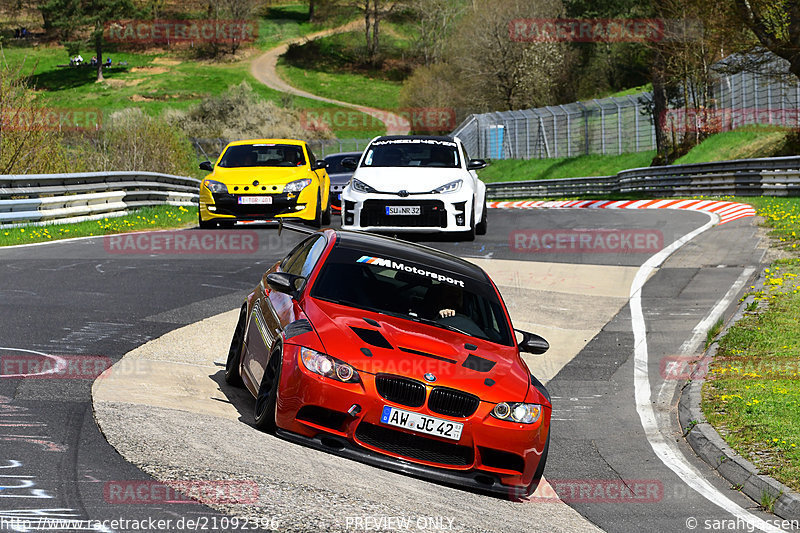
[(397, 355)]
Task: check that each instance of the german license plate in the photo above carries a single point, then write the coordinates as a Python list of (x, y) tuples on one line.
[(403, 210), (421, 423), (255, 199)]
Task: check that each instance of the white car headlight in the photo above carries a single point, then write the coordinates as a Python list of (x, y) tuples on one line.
[(360, 186), (297, 185), (453, 186), (523, 413), (215, 186), (330, 367)]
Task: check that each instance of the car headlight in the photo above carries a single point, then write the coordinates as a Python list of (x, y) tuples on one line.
[(330, 367), (523, 413), (297, 185), (453, 186), (215, 186), (360, 186)]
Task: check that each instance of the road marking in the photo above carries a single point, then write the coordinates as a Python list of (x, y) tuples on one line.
[(665, 450), (61, 364)]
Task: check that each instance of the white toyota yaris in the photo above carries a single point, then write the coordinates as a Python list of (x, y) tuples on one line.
[(411, 183)]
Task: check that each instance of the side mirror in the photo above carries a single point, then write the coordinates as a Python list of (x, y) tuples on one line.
[(476, 164), (349, 163), (206, 165), (532, 343), (319, 164), (284, 282)]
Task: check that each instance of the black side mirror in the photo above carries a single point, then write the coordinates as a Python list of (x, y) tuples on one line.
[(532, 343), (349, 163), (284, 282), (206, 165), (476, 164), (319, 164)]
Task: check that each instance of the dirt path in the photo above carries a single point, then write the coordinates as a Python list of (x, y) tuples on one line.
[(264, 70)]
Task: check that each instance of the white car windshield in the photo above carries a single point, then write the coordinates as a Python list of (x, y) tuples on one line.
[(412, 153)]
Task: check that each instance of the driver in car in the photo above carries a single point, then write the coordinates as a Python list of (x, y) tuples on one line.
[(452, 299)]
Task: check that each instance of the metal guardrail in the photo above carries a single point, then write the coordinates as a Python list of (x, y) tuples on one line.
[(47, 198), (776, 176)]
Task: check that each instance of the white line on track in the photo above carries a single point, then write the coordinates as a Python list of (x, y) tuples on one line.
[(666, 450), (61, 364)]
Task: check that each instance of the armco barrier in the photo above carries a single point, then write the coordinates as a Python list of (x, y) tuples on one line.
[(46, 198), (776, 176)]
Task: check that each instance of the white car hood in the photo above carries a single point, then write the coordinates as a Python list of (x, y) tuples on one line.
[(411, 179)]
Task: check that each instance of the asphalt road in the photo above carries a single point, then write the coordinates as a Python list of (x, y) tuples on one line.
[(88, 299)]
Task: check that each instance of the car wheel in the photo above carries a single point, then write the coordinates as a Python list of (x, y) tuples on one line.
[(537, 476), (469, 235), (480, 228), (205, 224), (267, 398), (326, 215), (317, 222), (232, 375)]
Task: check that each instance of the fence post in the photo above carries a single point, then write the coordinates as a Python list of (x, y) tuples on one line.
[(602, 127), (635, 122), (585, 126), (569, 132), (619, 126)]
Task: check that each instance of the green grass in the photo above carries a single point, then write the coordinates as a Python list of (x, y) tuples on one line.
[(563, 167), (742, 143), (333, 67), (751, 395), (159, 217)]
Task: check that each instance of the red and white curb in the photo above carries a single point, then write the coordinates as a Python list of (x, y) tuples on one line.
[(726, 211)]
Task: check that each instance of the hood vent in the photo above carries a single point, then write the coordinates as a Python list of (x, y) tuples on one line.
[(478, 364), (426, 354), (372, 337)]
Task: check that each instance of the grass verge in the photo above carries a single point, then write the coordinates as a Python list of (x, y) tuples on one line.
[(147, 218), (751, 395), (563, 167)]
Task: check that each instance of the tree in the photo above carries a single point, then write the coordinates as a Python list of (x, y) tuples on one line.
[(68, 16), (776, 25), (435, 21)]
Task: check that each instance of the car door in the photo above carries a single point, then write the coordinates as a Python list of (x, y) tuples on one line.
[(274, 310)]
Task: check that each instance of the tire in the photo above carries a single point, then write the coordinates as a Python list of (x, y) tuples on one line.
[(317, 222), (232, 375), (267, 399), (537, 476), (482, 226), (469, 235), (209, 224), (326, 215)]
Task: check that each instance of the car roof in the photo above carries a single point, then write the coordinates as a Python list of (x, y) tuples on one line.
[(267, 141), (417, 253), (419, 137)]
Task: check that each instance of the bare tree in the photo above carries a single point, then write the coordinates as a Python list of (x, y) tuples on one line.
[(435, 20)]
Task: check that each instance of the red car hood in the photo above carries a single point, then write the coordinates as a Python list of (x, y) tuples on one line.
[(403, 347)]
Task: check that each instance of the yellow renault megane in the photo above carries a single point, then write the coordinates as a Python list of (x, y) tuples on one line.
[(263, 179)]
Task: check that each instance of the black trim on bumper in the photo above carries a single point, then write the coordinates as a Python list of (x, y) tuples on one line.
[(478, 481), (228, 204)]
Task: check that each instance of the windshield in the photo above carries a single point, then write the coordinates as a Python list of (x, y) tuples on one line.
[(415, 292), (263, 155), (335, 163), (412, 153)]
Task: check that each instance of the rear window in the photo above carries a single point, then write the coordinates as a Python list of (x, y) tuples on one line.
[(263, 155), (415, 292)]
